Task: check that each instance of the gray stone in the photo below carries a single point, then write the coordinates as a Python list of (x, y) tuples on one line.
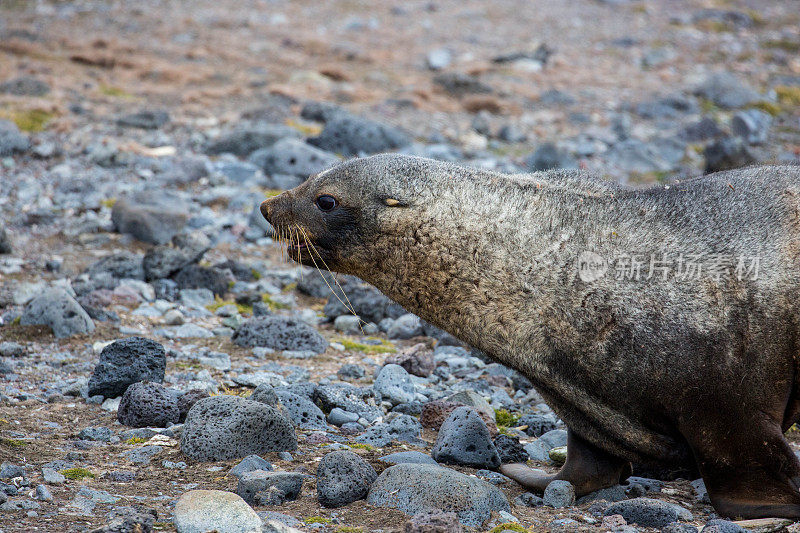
[(548, 156), (122, 264), (125, 519), (10, 470), (702, 130), (197, 298), (439, 58), (394, 384), (459, 84), (146, 119), (279, 333), (146, 404), (25, 86), (529, 499), (11, 139), (51, 477), (719, 525), (727, 91), (434, 522), (402, 427), (350, 135), (539, 450), (253, 484), (348, 371), (11, 349), (250, 464), (645, 512), (55, 308), (727, 153), (302, 411), (343, 477), (677, 527), (464, 439), (293, 157), (200, 511), (347, 324), (246, 140), (150, 216), (633, 155), (339, 417), (559, 494), (408, 457), (752, 125), (193, 276), (227, 427), (471, 398), (143, 455), (97, 433), (43, 494), (164, 261), (510, 450), (125, 362), (418, 488), (538, 424), (5, 242), (405, 327), (346, 397), (264, 393), (367, 301)]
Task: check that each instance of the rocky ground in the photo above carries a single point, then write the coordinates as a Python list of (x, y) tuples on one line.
[(152, 334)]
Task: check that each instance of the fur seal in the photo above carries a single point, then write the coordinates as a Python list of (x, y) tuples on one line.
[(660, 324)]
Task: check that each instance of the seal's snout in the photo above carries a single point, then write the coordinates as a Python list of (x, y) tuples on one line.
[(265, 205)]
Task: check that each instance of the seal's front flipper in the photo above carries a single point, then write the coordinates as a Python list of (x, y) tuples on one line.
[(588, 468)]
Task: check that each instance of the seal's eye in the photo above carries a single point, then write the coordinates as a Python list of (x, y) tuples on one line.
[(326, 202)]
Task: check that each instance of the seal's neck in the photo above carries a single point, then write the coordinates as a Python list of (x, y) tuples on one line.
[(474, 262)]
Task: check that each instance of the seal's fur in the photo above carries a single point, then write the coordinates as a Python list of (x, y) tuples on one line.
[(665, 370)]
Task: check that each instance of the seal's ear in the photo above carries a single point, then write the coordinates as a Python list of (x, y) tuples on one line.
[(393, 202)]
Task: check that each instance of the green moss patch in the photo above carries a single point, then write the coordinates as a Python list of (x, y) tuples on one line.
[(76, 474)]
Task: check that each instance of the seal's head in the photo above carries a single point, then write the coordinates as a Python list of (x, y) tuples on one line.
[(340, 218), (424, 232)]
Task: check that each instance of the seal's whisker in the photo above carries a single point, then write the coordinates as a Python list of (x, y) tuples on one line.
[(312, 250), (299, 229), (349, 304)]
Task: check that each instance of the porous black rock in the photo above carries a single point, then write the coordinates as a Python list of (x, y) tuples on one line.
[(464, 439), (188, 399), (146, 404), (510, 450), (227, 427), (279, 333), (351, 135), (343, 477), (125, 362)]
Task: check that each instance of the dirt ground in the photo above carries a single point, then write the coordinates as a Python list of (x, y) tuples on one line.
[(208, 62)]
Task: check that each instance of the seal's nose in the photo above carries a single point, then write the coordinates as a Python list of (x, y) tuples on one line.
[(265, 209)]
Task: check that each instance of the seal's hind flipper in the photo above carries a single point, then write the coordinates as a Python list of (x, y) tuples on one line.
[(588, 468)]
